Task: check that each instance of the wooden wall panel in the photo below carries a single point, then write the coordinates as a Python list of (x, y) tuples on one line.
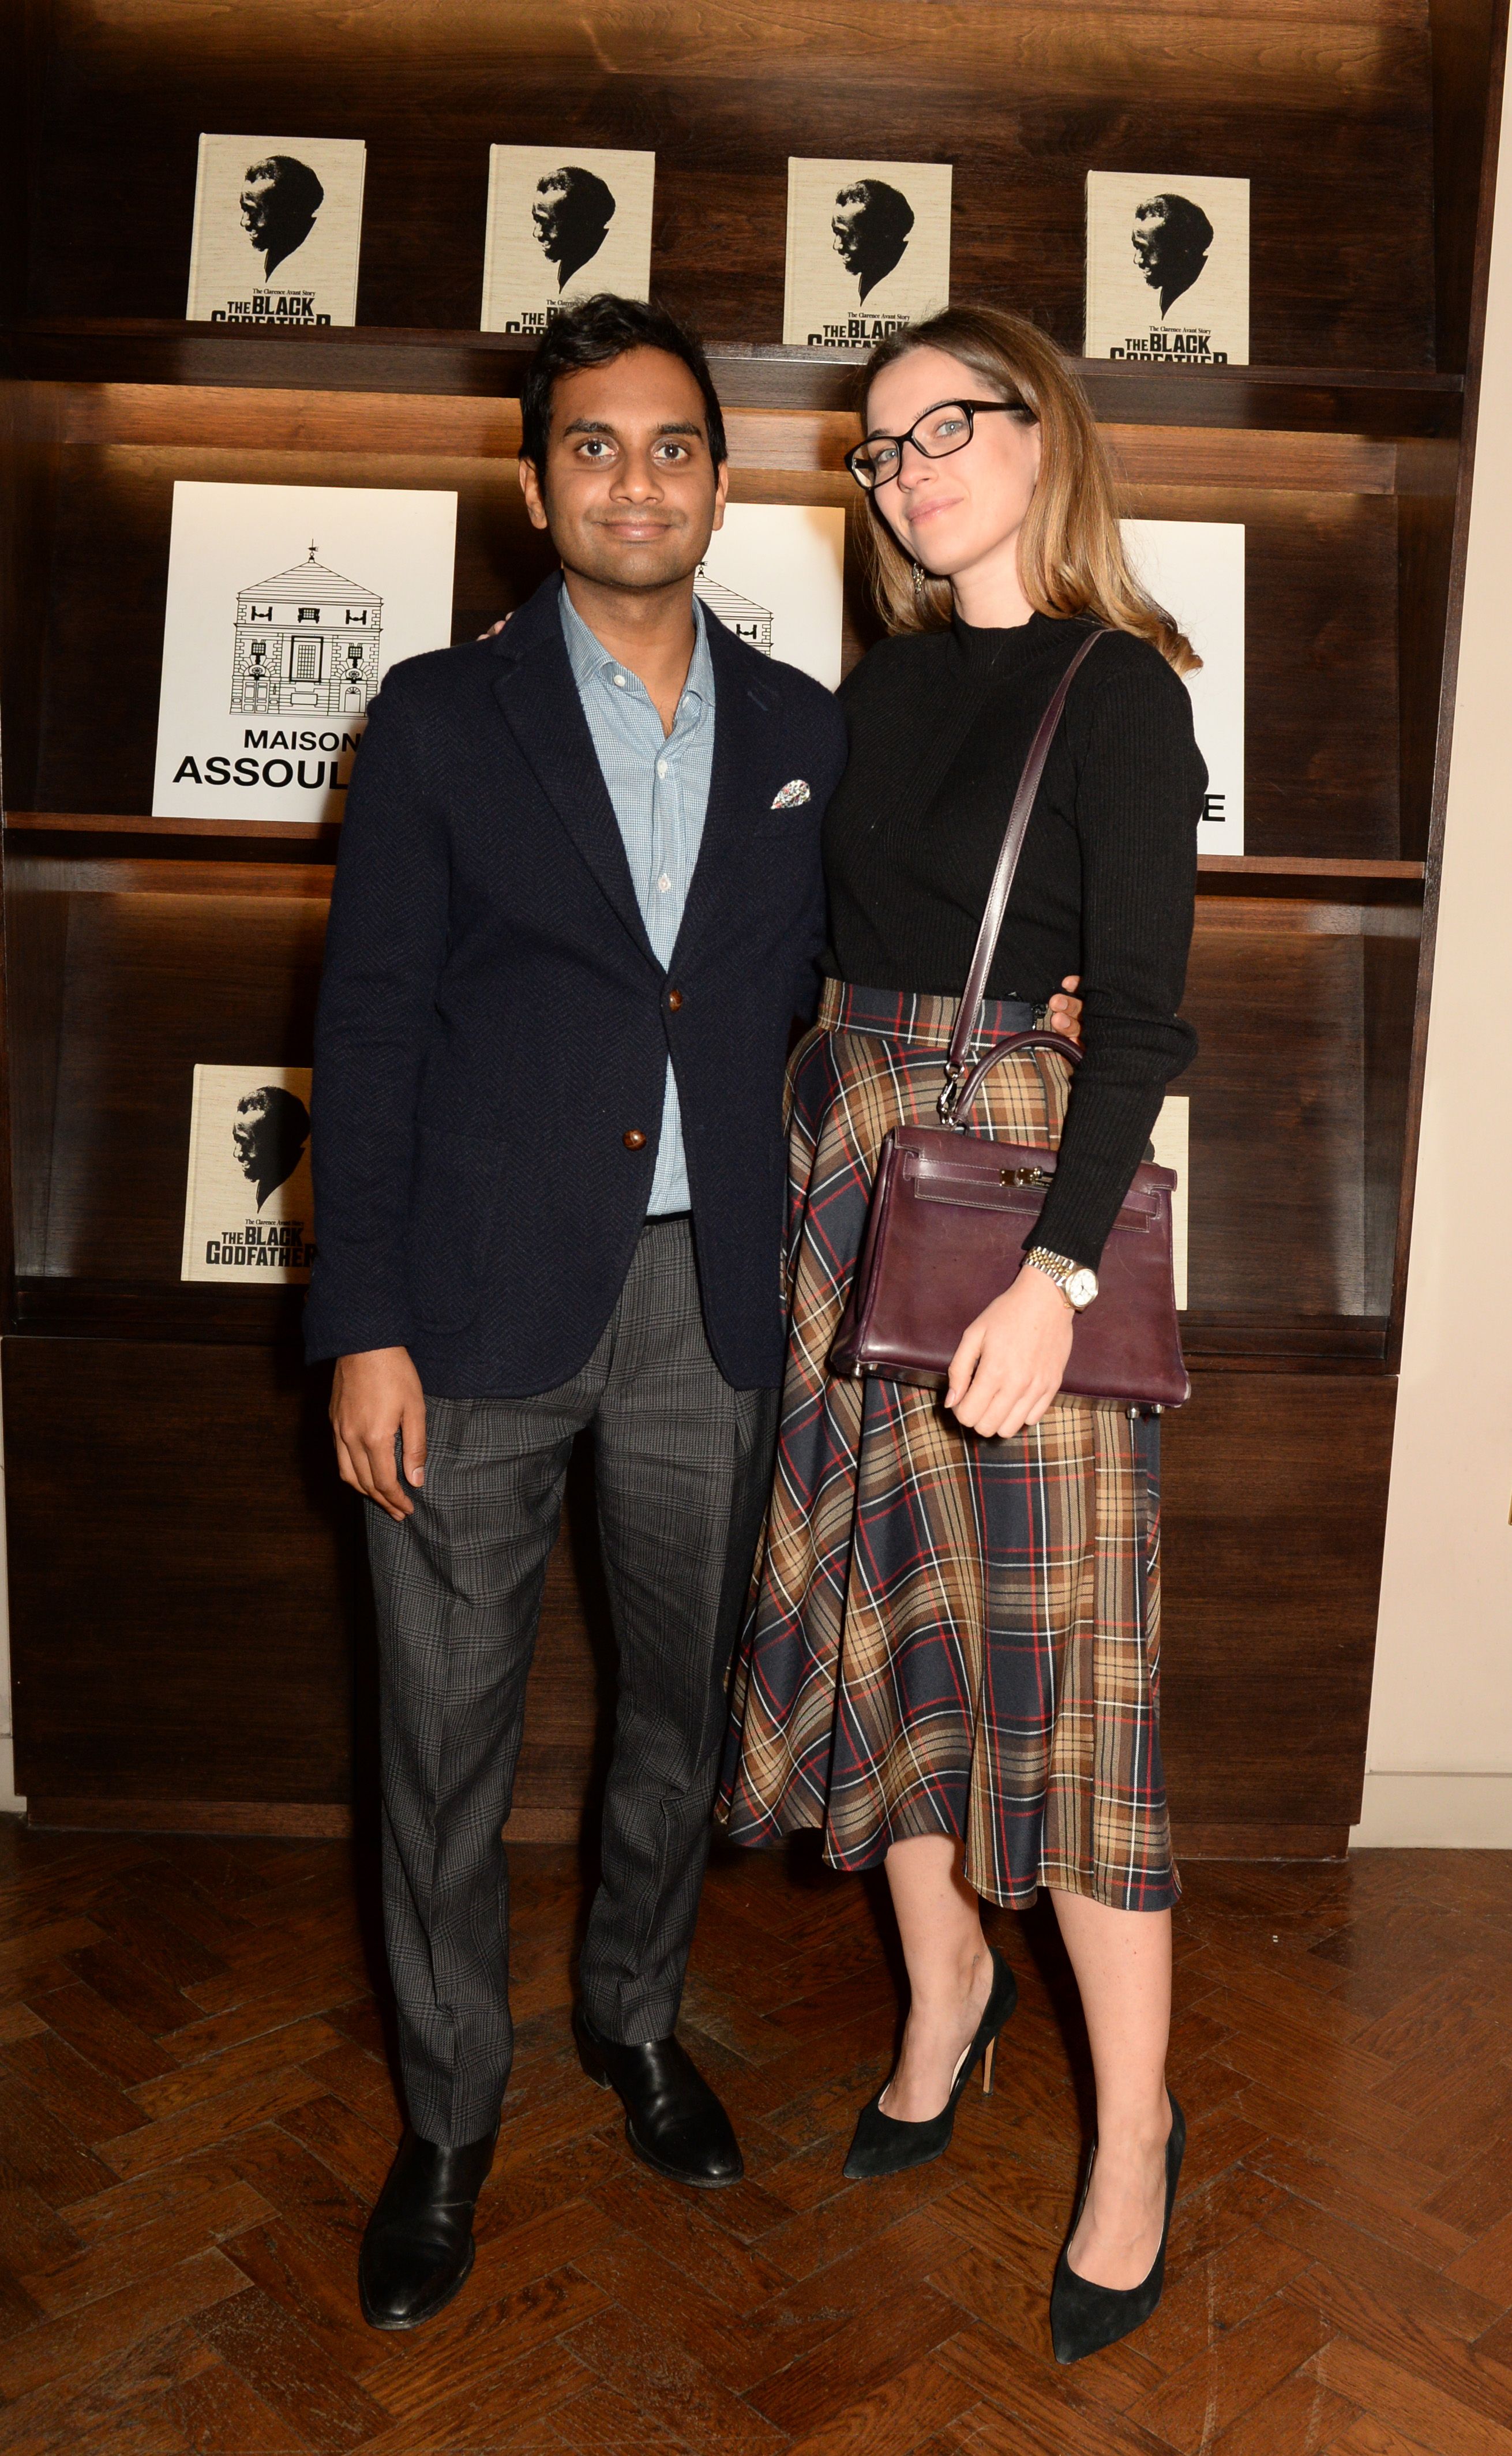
[(156, 985), (1321, 751), (1273, 1511), (174, 1510), (215, 1596), (201, 1672), (1327, 113)]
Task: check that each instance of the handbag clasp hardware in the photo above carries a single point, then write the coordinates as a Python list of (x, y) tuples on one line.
[(945, 1106), (1022, 1177)]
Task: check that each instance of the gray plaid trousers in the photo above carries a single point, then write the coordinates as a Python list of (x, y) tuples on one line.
[(683, 1467)]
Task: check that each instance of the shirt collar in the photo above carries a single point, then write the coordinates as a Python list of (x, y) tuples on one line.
[(588, 656)]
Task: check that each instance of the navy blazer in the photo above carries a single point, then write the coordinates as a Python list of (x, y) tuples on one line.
[(494, 1029)]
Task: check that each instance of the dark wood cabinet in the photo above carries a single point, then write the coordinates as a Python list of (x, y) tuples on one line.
[(190, 1625)]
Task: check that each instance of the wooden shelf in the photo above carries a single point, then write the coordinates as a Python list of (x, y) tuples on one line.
[(179, 1312), (183, 1312), (759, 376), (1241, 874), (1306, 877), (1228, 1342), (195, 834)]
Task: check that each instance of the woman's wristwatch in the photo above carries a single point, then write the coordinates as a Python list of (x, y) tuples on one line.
[(1077, 1284)]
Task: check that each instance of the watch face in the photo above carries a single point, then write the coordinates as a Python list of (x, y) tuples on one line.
[(1081, 1287)]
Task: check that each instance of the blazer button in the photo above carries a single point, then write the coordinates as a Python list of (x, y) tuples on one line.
[(634, 1140), (674, 999)]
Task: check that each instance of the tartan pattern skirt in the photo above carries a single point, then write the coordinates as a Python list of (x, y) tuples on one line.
[(946, 1636)]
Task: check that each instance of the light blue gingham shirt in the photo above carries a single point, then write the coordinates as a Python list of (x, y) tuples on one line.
[(658, 786)]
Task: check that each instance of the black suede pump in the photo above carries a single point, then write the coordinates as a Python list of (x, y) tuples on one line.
[(885, 2146), (1084, 2317)]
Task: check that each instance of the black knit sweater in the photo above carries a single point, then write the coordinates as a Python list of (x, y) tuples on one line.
[(1104, 885)]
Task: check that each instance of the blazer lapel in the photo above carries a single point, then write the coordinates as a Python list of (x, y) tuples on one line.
[(539, 697), (743, 713)]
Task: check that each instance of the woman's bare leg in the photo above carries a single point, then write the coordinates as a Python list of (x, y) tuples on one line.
[(1122, 1962), (949, 1971)]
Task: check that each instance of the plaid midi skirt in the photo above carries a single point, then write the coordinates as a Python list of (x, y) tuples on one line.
[(946, 1634)]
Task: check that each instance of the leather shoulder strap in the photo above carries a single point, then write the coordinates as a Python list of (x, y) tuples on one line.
[(1018, 818)]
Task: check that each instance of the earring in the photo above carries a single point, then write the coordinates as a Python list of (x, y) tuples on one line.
[(918, 583)]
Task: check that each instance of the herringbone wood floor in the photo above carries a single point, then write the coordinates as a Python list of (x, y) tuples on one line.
[(194, 2109)]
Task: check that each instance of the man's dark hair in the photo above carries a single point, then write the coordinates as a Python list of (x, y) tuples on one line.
[(590, 336)]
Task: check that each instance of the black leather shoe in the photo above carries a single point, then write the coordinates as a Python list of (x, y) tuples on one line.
[(417, 2250), (672, 2118), (1084, 2317)]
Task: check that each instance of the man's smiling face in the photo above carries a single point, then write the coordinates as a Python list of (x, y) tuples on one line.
[(630, 491)]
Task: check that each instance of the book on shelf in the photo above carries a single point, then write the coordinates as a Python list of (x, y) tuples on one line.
[(774, 573), (563, 222), (1170, 1139), (869, 249), (1195, 569), (278, 230), (286, 608), (249, 1213), (1168, 269)]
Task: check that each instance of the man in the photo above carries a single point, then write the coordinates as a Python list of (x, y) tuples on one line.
[(572, 213), (1171, 238), (871, 225), (280, 199), (578, 905)]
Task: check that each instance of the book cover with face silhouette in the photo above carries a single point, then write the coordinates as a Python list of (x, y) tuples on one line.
[(563, 222), (869, 249), (249, 1213), (1195, 570), (774, 574), (286, 608), (1168, 269), (277, 229)]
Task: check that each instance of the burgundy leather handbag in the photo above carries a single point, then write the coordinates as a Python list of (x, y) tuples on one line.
[(950, 1211)]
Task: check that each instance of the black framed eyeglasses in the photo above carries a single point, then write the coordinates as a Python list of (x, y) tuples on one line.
[(948, 427)]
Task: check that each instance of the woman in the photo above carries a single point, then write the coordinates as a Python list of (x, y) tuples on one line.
[(950, 1664)]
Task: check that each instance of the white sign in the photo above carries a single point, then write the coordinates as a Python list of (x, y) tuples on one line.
[(563, 222), (1170, 1141), (775, 575), (869, 249), (1168, 269), (278, 230), (249, 1212), (1195, 570), (286, 608)]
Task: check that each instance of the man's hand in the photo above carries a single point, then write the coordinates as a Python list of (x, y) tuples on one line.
[(1008, 1366), (1064, 1012), (372, 1397)]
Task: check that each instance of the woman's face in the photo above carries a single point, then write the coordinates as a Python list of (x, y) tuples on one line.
[(957, 514)]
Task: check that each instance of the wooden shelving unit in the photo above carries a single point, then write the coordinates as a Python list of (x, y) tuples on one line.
[(190, 1613)]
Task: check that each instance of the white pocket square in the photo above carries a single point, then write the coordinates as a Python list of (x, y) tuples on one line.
[(791, 795)]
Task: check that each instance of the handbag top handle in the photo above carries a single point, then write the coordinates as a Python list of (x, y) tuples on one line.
[(997, 894)]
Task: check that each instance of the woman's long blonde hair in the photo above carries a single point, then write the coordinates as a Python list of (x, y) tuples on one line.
[(1071, 554)]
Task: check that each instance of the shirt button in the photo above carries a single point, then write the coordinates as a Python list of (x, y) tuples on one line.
[(663, 884), (674, 999), (618, 682), (661, 766), (633, 1139)]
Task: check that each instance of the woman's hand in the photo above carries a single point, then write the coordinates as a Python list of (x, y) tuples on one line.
[(1008, 1366), (1064, 1012)]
